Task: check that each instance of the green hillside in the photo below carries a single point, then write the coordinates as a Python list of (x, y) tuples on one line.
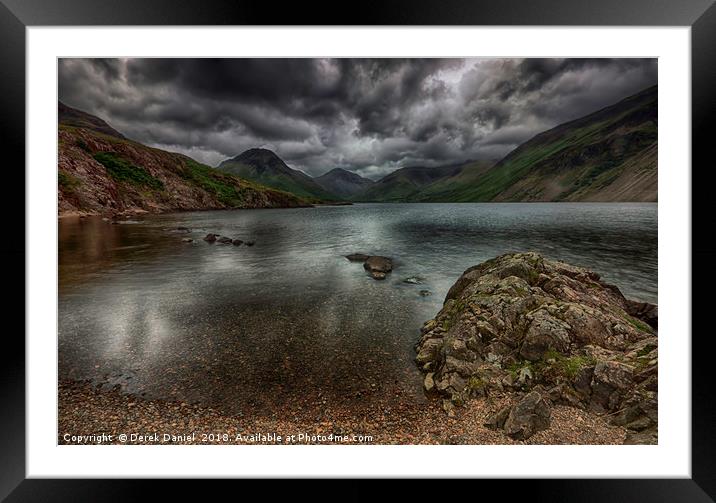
[(606, 156), (609, 155), (102, 172), (403, 184), (265, 167)]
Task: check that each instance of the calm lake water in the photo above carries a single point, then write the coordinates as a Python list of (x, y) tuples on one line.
[(290, 322)]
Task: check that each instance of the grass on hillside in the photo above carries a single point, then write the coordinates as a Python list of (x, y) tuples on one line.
[(122, 170), (67, 182), (282, 183), (213, 181)]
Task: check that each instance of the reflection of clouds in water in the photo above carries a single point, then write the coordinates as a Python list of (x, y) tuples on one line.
[(131, 324)]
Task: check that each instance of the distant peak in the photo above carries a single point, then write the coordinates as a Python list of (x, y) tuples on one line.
[(341, 173), (257, 153)]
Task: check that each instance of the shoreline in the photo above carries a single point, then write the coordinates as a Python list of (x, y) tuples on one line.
[(86, 413), (139, 211), (142, 212)]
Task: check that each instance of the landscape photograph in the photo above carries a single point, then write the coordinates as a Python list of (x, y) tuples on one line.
[(357, 251)]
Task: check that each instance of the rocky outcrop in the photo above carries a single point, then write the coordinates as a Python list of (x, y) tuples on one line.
[(520, 322)]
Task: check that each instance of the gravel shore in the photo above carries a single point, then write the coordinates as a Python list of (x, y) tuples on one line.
[(89, 416)]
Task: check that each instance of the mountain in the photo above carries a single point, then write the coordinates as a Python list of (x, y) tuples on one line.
[(343, 183), (72, 117), (265, 167), (609, 155), (447, 188), (102, 172), (402, 184)]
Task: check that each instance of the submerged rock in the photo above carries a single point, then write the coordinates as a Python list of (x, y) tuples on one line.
[(378, 266), (224, 240), (519, 322), (237, 242), (357, 257), (249, 243), (413, 280), (210, 238)]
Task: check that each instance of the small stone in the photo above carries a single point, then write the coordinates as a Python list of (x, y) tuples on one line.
[(496, 421), (449, 408), (413, 280), (429, 383)]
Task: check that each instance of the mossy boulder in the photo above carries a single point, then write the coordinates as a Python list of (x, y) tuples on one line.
[(520, 320)]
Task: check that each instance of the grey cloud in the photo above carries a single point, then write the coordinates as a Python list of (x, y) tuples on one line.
[(367, 115)]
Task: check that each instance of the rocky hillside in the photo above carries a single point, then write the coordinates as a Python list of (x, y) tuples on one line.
[(343, 183), (543, 332), (448, 188), (102, 172), (265, 167), (69, 116), (609, 155)]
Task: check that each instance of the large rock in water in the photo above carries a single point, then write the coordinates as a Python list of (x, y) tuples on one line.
[(378, 266), (520, 321)]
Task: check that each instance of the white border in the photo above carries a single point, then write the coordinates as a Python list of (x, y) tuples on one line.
[(670, 458)]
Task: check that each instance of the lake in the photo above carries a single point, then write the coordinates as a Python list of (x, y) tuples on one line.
[(289, 323)]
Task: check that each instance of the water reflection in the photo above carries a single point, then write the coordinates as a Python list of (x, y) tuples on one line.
[(246, 328)]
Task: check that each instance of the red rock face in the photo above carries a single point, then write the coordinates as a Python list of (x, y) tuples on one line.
[(86, 187)]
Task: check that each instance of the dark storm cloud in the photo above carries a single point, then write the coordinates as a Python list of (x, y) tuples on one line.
[(370, 116)]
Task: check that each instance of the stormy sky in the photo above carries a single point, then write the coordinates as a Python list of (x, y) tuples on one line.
[(370, 116)]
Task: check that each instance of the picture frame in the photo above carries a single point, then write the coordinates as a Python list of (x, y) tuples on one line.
[(700, 15)]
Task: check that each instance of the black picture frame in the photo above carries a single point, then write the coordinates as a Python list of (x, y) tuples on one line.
[(16, 15)]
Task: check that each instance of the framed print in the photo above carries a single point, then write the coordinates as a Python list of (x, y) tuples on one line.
[(425, 242)]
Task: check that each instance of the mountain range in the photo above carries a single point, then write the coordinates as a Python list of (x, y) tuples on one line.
[(609, 155)]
